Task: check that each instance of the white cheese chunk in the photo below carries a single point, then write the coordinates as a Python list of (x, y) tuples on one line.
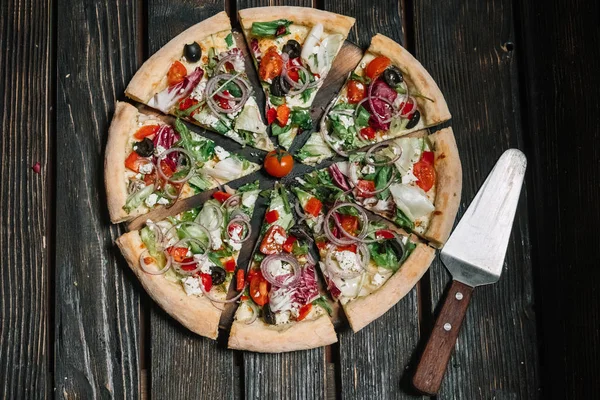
[(347, 260), (377, 279), (163, 201), (368, 169), (151, 200), (221, 153), (279, 239), (191, 286)]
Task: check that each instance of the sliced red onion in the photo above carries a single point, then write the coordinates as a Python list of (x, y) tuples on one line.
[(244, 223), (218, 220), (377, 146), (364, 221), (228, 58), (264, 267), (338, 177), (232, 201), (150, 271), (253, 307), (214, 299), (213, 89), (406, 99), (352, 173), (165, 153), (157, 231), (198, 242)]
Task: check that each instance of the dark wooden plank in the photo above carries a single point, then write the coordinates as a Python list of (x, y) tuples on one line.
[(374, 362), (184, 365), (26, 63), (96, 328), (561, 59), (465, 49)]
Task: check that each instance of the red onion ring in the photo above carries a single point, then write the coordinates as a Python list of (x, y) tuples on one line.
[(367, 192), (378, 145), (239, 101), (243, 222), (283, 257), (157, 231), (225, 59), (151, 272), (165, 153), (349, 238), (232, 201), (194, 224)]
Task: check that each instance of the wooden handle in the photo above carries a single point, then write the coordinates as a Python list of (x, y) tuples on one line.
[(434, 360)]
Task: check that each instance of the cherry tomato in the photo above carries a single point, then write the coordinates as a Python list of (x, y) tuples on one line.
[(271, 64), (229, 265), (377, 66), (239, 280), (259, 289), (425, 174), (176, 73), (384, 233), (407, 109), (365, 188), (271, 115), (351, 247), (313, 206), (321, 245), (206, 280), (356, 91), (279, 163), (283, 115), (235, 227), (166, 169), (269, 245), (289, 244), (304, 311), (221, 196), (146, 130), (134, 160), (368, 133), (223, 102), (427, 157), (178, 253), (349, 223), (271, 216)]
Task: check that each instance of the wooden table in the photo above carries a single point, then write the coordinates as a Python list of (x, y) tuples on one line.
[(75, 323)]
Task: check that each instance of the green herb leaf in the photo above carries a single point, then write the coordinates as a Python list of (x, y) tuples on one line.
[(301, 117), (408, 249), (381, 179), (269, 29), (323, 303), (403, 221), (277, 130), (248, 187), (362, 119), (363, 79), (229, 40), (276, 100)]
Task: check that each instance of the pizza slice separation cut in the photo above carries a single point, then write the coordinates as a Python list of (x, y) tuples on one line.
[(200, 76), (283, 308), (388, 95), (293, 49), (187, 262), (151, 162)]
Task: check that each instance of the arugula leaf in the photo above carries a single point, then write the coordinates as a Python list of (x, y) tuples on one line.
[(362, 119), (229, 40), (248, 187), (277, 130), (258, 256), (299, 249), (363, 79), (403, 221), (307, 94), (322, 302), (189, 215), (268, 29), (301, 117), (343, 106), (224, 252), (212, 62), (276, 100), (383, 255), (408, 248), (233, 89), (214, 258), (381, 179)]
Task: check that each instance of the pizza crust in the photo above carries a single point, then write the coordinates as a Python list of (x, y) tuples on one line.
[(334, 23), (364, 310), (195, 313), (146, 81), (265, 338), (448, 187), (416, 77)]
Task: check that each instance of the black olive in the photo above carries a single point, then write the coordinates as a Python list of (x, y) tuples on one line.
[(145, 148), (218, 275), (268, 315), (393, 76), (292, 48), (279, 87), (192, 52), (414, 120)]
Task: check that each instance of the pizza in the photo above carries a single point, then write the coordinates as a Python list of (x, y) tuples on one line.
[(293, 49), (150, 162), (388, 95), (283, 309), (187, 262), (369, 264), (200, 76)]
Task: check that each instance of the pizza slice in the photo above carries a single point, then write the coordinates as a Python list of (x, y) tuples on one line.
[(284, 309), (369, 265), (414, 181), (388, 95), (187, 262), (200, 76), (189, 163), (293, 49)]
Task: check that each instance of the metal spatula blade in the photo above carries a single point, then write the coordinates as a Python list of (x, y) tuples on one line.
[(475, 252)]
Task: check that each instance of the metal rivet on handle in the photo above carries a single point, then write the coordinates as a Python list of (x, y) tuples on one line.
[(447, 327), (459, 296)]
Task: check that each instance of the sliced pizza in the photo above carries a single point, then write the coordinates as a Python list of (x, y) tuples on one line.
[(284, 309), (187, 262), (388, 95), (294, 49), (200, 76), (369, 265), (414, 181), (150, 162)]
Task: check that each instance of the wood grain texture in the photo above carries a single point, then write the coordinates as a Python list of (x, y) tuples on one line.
[(25, 115), (465, 49), (561, 59), (96, 327)]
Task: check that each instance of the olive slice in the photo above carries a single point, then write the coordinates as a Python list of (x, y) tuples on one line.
[(414, 120), (279, 87), (292, 48), (192, 52), (268, 315), (393, 76), (145, 148), (218, 275)]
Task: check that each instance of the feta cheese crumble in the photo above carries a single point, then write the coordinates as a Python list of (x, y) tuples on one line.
[(221, 153)]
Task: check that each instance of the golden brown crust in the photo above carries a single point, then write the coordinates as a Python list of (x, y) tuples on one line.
[(334, 23), (364, 310), (448, 187), (146, 81), (265, 338), (416, 77), (195, 313)]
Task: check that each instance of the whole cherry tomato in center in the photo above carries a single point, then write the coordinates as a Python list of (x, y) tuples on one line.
[(278, 163)]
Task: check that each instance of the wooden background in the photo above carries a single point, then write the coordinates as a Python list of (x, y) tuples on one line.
[(74, 322)]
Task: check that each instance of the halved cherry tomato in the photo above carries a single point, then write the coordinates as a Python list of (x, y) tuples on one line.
[(176, 73), (149, 179), (351, 247), (365, 188), (293, 72), (271, 115), (206, 280), (269, 245), (425, 174), (259, 289), (178, 253), (304, 311), (283, 115), (229, 265), (146, 130), (349, 223), (427, 157), (223, 102), (368, 133), (313, 206), (271, 216), (278, 163), (384, 233), (187, 103), (166, 169), (252, 273), (321, 245), (133, 161), (221, 196), (377, 66), (271, 64), (356, 91), (239, 280), (289, 244)]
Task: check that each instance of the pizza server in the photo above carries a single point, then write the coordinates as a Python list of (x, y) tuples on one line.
[(474, 255)]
